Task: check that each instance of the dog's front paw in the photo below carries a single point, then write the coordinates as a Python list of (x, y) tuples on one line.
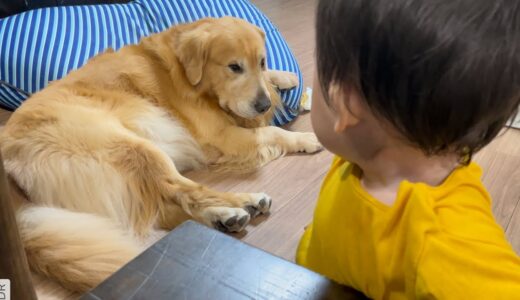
[(260, 204), (227, 219), (307, 142)]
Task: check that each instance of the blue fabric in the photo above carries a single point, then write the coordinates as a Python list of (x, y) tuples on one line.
[(43, 45)]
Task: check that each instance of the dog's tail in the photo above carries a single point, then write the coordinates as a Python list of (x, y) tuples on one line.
[(76, 250)]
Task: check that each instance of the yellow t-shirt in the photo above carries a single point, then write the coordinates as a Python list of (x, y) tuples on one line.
[(432, 243)]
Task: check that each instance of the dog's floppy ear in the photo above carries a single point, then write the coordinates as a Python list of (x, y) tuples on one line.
[(191, 47), (261, 31)]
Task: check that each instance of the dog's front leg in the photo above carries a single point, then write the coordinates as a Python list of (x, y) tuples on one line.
[(257, 146)]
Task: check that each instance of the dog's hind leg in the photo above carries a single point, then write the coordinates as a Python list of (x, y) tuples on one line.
[(156, 185)]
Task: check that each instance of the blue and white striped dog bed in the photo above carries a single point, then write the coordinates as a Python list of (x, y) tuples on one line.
[(43, 45)]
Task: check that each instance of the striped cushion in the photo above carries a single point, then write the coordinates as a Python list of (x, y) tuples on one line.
[(42, 45)]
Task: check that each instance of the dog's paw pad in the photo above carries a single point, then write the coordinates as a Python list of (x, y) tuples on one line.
[(231, 221), (243, 220), (227, 219), (260, 204)]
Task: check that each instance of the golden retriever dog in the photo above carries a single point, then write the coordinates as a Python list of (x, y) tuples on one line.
[(99, 153)]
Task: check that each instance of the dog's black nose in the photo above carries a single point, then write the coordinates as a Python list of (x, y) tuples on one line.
[(262, 103)]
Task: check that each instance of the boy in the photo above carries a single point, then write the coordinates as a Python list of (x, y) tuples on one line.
[(407, 91)]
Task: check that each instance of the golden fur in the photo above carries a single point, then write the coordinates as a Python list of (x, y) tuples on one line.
[(98, 154)]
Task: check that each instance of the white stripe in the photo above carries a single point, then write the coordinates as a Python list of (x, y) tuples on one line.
[(137, 18), (16, 54), (79, 41), (104, 23), (193, 10), (233, 10), (117, 17), (54, 33), (23, 84), (3, 26), (4, 98), (13, 99), (157, 14), (177, 13), (201, 11), (167, 12), (9, 39), (7, 98), (60, 44), (112, 26), (130, 21), (96, 27), (88, 46), (187, 11), (40, 47), (71, 42), (224, 8)]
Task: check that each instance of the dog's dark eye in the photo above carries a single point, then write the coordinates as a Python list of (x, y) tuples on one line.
[(262, 63), (236, 68)]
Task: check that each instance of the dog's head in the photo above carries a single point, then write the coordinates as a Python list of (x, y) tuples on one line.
[(225, 58)]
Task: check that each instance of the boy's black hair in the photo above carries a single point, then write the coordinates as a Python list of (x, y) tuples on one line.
[(445, 73)]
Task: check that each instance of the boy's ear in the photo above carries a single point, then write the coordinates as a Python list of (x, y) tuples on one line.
[(347, 104)]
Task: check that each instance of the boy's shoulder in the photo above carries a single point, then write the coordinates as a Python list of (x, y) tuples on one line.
[(462, 206)]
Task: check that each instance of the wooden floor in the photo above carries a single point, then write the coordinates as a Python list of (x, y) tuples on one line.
[(294, 181)]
